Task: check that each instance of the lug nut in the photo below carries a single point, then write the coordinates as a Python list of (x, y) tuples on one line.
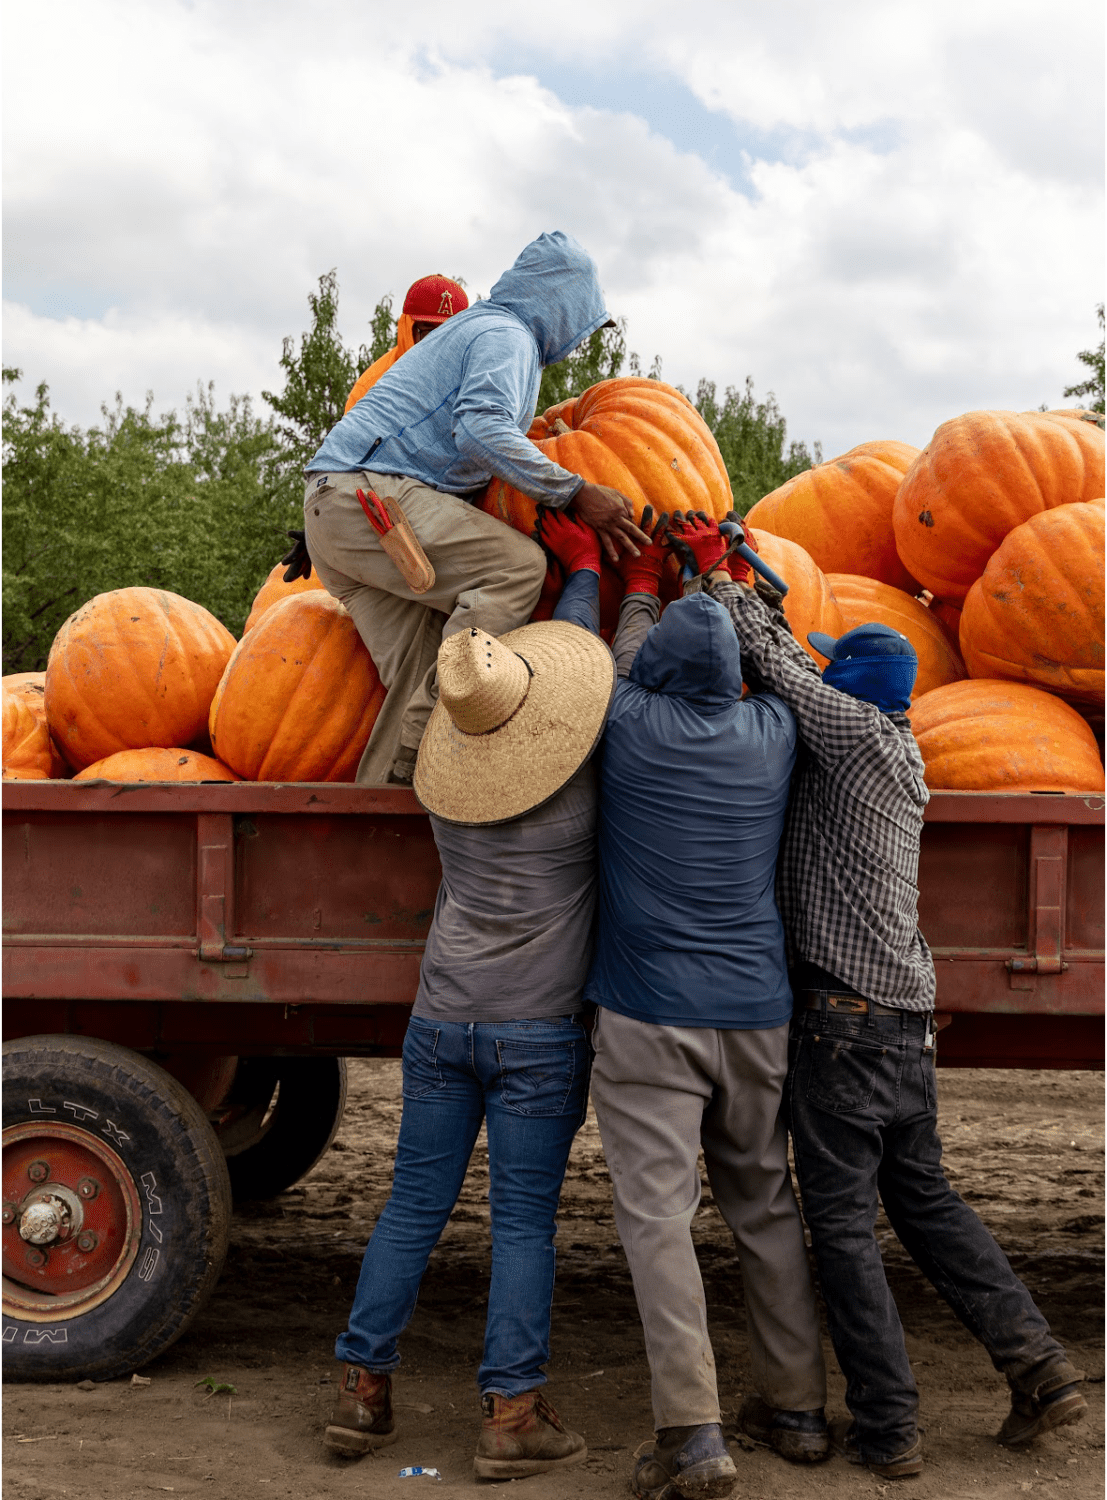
[(87, 1241), (88, 1187), (38, 1171), (35, 1258), (9, 1213)]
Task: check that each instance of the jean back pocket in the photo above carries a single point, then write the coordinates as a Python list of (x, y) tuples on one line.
[(841, 1072), (422, 1075), (542, 1077)]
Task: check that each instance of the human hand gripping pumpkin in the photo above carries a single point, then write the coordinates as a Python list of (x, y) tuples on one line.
[(697, 542), (611, 516), (575, 545), (641, 573)]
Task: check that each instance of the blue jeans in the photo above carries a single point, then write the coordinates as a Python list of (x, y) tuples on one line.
[(529, 1081), (862, 1105)]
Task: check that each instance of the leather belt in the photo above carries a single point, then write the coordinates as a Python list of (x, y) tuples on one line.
[(853, 1005)]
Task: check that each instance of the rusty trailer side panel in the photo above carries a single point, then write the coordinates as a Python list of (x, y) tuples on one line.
[(255, 917)]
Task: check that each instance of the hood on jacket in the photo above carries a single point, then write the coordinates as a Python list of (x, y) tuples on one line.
[(692, 653), (553, 288)]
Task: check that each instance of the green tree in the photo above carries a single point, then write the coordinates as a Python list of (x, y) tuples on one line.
[(197, 505), (752, 435), (382, 330), (318, 376), (1093, 360)]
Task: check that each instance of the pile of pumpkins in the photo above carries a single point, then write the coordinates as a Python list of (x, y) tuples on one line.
[(985, 549)]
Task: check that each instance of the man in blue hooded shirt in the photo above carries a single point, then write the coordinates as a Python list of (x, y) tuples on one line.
[(430, 434), (691, 1039)]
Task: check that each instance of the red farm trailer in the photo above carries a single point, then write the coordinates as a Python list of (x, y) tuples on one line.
[(187, 967)]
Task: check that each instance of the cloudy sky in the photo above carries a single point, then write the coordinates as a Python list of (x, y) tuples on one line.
[(886, 212)]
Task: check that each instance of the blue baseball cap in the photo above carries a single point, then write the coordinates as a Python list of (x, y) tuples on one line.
[(862, 640)]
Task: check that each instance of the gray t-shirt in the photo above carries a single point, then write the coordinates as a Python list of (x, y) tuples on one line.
[(512, 934)]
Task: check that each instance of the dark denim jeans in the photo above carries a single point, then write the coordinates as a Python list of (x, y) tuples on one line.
[(529, 1080), (862, 1105)]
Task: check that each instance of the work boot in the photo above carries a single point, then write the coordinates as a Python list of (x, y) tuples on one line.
[(843, 1439), (692, 1462), (1055, 1403), (523, 1435), (801, 1437), (362, 1415)]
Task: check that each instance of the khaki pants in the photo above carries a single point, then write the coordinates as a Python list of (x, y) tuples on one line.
[(486, 575), (659, 1092)]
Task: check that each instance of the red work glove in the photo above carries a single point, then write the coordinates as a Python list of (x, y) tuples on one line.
[(696, 540), (642, 574), (738, 568), (575, 545)]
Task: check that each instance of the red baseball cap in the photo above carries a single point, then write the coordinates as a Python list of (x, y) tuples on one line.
[(433, 299)]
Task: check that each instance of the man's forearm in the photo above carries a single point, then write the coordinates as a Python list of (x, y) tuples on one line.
[(637, 613), (496, 444), (580, 601)]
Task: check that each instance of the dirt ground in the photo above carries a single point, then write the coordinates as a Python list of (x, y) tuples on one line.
[(1024, 1148)]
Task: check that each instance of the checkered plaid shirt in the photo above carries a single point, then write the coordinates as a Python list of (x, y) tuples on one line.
[(847, 876)]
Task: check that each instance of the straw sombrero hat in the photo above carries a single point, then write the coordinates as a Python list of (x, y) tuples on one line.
[(516, 717)]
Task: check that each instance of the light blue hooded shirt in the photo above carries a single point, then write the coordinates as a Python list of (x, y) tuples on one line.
[(455, 410)]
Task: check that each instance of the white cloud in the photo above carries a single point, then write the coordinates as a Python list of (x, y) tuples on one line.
[(178, 176)]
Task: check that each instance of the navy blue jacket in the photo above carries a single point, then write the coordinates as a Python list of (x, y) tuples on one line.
[(694, 785)]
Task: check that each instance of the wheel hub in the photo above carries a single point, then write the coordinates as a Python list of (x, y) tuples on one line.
[(45, 1218), (72, 1220)]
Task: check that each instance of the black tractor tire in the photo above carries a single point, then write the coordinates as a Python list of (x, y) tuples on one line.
[(274, 1141), (75, 1100)]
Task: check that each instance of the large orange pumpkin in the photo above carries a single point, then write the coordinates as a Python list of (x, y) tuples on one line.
[(132, 669), (809, 603), (641, 437), (1036, 615), (299, 695), (37, 755), (841, 512), (274, 589), (980, 476), (984, 735), (863, 600), (26, 741), (157, 765)]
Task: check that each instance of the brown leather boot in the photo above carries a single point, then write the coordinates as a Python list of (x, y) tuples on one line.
[(523, 1435), (362, 1415)]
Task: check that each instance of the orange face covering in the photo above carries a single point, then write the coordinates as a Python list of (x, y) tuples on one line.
[(405, 340)]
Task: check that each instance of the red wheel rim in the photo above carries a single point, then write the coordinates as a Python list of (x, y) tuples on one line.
[(72, 1192)]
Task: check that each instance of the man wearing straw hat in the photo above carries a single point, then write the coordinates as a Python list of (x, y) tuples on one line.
[(691, 1037), (495, 1035), (428, 436)]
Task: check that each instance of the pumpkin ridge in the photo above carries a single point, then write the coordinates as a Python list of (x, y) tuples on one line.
[(278, 741)]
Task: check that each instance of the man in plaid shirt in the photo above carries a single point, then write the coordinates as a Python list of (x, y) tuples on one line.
[(861, 1090)]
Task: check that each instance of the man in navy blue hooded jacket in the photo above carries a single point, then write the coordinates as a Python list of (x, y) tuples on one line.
[(430, 435), (691, 1038)]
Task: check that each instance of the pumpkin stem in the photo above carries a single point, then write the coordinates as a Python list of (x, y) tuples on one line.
[(560, 426)]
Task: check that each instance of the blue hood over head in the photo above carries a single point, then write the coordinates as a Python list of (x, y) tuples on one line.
[(692, 653), (553, 288)]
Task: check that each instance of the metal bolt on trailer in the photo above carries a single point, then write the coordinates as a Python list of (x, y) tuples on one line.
[(186, 967)]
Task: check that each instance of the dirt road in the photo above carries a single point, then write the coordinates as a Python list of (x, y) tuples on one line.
[(1025, 1149)]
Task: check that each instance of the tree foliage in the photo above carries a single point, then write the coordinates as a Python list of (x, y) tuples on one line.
[(751, 435), (196, 504), (1093, 360), (318, 375)]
